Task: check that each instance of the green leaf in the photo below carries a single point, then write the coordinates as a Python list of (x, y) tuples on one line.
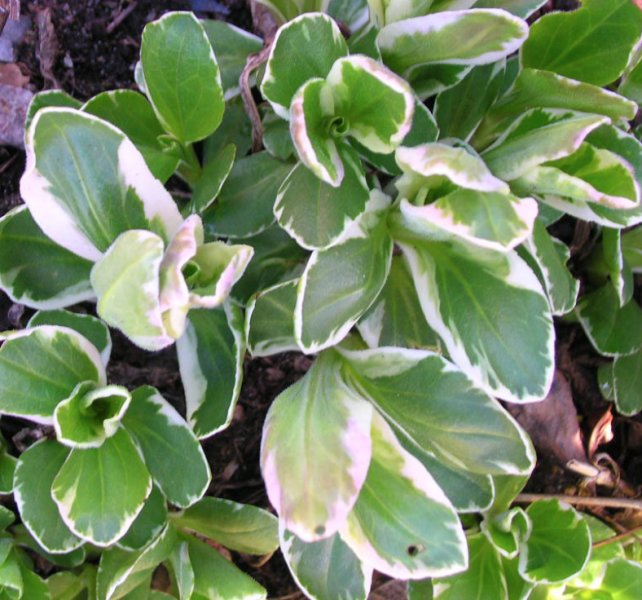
[(484, 577), (148, 524), (100, 491), (558, 546), (47, 99), (276, 136), (396, 319), (619, 272), (632, 249), (303, 49), (235, 128), (86, 183), (376, 105), (182, 570), (507, 348), (436, 407), (389, 11), (627, 378), (519, 8), (269, 320), (212, 179), (326, 569), (68, 560), (232, 46), (244, 206), (40, 367), (35, 473), (460, 109), (65, 585), (534, 88), (171, 452), (90, 414), (473, 37), (314, 491), (126, 281), (538, 136), (182, 77), (622, 579), (631, 83), (86, 325), (277, 257), (133, 115), (613, 331), (121, 571), (315, 213), (7, 471), (416, 536), (592, 44), (548, 257), (340, 283), (34, 270), (240, 527), (216, 577), (210, 359), (506, 531), (12, 583)]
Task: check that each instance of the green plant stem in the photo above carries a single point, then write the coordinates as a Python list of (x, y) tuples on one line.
[(189, 169), (587, 501)]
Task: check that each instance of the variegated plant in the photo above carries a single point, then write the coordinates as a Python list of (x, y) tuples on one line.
[(396, 224)]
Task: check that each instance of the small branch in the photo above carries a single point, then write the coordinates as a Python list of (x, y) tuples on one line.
[(254, 61), (581, 500), (618, 537), (121, 16)]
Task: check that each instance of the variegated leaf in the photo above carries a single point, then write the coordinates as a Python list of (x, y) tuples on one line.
[(539, 136), (171, 452), (40, 367), (358, 84), (468, 37), (86, 183), (416, 536), (269, 320), (133, 115), (326, 569), (127, 282), (542, 89), (548, 257), (85, 489), (589, 175), (396, 318), (428, 163), (86, 325), (148, 524), (90, 414), (35, 473), (34, 270), (314, 212), (340, 283), (303, 49), (486, 219), (210, 359), (313, 491), (507, 348), (433, 404)]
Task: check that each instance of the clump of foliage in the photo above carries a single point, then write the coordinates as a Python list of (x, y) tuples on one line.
[(396, 224)]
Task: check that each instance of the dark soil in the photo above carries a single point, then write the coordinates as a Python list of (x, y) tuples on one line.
[(96, 50)]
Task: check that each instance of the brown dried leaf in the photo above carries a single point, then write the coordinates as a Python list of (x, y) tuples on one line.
[(552, 423), (13, 110), (10, 74), (47, 47)]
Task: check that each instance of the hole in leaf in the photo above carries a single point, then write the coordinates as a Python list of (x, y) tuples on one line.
[(320, 530), (414, 549)]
